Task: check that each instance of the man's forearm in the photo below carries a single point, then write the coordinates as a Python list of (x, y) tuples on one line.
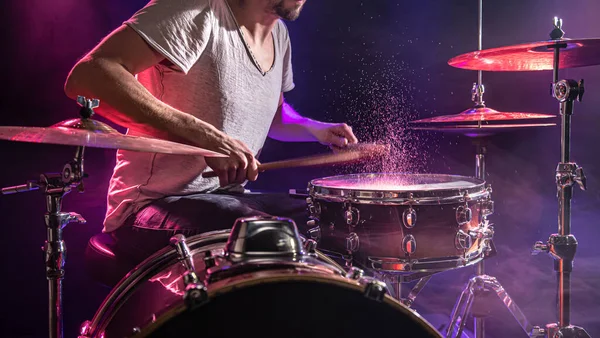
[(289, 126), (130, 104)]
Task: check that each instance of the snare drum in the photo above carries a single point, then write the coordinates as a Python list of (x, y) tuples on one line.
[(301, 296), (401, 222)]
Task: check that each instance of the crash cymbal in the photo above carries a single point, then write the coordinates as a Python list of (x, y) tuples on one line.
[(478, 130), (531, 56), (483, 114), (92, 133)]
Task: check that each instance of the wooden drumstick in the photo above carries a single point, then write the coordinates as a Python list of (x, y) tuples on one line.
[(351, 153)]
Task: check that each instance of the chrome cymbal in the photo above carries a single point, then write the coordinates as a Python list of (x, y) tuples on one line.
[(91, 133)]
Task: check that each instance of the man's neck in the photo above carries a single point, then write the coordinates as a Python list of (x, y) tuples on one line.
[(255, 17)]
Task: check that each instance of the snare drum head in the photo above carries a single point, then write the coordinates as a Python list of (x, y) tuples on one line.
[(396, 187)]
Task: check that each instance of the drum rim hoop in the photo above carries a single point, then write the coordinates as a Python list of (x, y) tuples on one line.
[(279, 276), (475, 192)]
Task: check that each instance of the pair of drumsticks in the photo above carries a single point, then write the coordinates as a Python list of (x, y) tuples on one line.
[(350, 154)]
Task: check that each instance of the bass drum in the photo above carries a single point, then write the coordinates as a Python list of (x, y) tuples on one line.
[(309, 297)]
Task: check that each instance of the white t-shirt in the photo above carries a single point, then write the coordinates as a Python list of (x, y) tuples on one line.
[(212, 76)]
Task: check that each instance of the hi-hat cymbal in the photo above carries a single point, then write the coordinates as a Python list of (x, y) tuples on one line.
[(532, 56), (483, 114), (92, 133)]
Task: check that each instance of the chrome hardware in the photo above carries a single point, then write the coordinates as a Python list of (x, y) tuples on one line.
[(477, 94), (375, 290), (463, 240), (136, 330), (195, 291), (84, 329), (209, 260), (539, 247), (87, 103), (352, 242), (310, 246), (311, 223), (315, 233), (568, 90), (355, 273), (567, 174), (263, 236), (409, 218), (487, 207), (314, 208), (409, 244), (351, 215), (178, 242), (464, 214)]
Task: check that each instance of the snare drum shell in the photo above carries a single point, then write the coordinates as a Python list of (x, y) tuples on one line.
[(381, 232), (378, 227)]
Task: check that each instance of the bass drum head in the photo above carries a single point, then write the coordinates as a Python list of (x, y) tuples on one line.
[(283, 305)]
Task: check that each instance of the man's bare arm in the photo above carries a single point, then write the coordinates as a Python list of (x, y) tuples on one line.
[(289, 126), (108, 73)]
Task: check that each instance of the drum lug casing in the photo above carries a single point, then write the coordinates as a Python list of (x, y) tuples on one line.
[(314, 232), (352, 242), (375, 290), (355, 273), (464, 214), (409, 218), (351, 215)]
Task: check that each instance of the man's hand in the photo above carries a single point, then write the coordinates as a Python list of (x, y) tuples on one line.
[(335, 135), (239, 166)]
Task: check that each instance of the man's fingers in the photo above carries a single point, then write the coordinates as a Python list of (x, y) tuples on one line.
[(252, 173), (223, 178), (337, 141)]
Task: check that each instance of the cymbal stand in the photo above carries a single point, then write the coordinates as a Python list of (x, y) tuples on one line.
[(55, 186), (481, 283), (562, 246)]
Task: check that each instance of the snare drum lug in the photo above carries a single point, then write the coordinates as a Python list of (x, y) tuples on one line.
[(310, 246), (463, 240), (487, 208), (315, 233), (375, 290), (409, 218), (409, 244), (464, 214), (352, 242), (311, 223), (352, 216), (314, 208), (355, 273)]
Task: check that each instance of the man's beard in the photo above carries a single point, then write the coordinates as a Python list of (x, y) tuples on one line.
[(289, 14)]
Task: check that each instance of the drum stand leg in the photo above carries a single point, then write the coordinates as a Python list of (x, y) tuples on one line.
[(396, 282), (55, 187), (475, 288)]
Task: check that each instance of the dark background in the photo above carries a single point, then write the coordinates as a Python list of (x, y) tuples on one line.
[(375, 64)]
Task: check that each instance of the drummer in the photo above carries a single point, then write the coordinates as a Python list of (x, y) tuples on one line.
[(210, 73)]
